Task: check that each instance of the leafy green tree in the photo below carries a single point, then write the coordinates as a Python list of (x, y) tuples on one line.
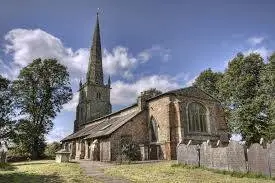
[(241, 87), (51, 149), (209, 82), (6, 123), (40, 90), (268, 94)]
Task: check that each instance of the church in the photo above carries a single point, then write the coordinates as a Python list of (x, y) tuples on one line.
[(156, 124)]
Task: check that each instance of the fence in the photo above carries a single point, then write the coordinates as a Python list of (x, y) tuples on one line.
[(234, 157)]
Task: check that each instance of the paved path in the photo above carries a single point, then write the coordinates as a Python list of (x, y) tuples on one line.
[(95, 169)]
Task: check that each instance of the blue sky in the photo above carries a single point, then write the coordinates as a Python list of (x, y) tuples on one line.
[(162, 44)]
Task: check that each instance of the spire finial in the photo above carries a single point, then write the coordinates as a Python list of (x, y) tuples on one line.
[(98, 11), (109, 81)]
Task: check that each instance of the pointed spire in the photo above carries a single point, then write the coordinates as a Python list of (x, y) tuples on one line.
[(109, 81), (95, 71)]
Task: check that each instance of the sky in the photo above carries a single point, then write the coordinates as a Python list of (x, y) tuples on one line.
[(146, 44)]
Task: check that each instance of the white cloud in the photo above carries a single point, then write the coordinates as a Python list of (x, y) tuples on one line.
[(124, 93), (57, 134), (191, 81), (255, 40), (156, 50), (71, 105), (263, 51), (119, 61), (24, 45)]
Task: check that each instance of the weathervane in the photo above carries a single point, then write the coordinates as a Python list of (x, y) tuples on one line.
[(98, 11)]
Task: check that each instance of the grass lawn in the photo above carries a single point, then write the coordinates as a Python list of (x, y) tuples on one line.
[(164, 172), (43, 171)]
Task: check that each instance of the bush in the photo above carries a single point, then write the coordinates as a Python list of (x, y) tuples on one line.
[(51, 149), (16, 154), (131, 151)]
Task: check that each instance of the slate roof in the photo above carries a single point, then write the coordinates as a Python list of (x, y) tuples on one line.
[(187, 91), (103, 127)]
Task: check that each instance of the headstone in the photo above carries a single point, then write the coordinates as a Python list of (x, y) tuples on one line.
[(188, 154), (219, 158), (271, 151), (3, 152), (205, 155), (258, 158), (236, 157)]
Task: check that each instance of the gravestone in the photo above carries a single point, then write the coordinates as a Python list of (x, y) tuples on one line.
[(3, 152), (258, 158), (188, 154), (205, 155), (236, 157), (271, 150), (219, 158)]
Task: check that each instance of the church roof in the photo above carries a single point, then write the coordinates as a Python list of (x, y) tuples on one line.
[(191, 91), (103, 127)]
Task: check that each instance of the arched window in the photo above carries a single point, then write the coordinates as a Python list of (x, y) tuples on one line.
[(153, 130), (197, 119)]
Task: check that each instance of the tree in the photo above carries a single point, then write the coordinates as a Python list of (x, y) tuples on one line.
[(241, 87), (51, 149), (40, 90), (208, 81), (6, 124), (268, 94)]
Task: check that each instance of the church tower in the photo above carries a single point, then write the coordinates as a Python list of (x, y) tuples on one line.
[(94, 95)]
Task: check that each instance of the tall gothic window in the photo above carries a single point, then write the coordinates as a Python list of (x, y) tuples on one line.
[(197, 120), (153, 130)]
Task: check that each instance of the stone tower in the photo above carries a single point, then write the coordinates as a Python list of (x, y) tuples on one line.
[(94, 95)]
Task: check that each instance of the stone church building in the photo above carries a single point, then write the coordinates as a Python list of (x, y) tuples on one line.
[(156, 124)]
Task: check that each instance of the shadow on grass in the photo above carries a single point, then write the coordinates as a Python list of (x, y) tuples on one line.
[(30, 178), (6, 167), (31, 163)]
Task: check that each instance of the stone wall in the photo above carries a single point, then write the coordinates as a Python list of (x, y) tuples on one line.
[(136, 128), (260, 160), (159, 110)]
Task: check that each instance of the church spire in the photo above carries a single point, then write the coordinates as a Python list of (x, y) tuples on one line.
[(95, 72)]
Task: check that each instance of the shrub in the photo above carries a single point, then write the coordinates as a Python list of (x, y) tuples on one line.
[(51, 149)]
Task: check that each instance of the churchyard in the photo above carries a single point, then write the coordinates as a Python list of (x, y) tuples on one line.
[(165, 171)]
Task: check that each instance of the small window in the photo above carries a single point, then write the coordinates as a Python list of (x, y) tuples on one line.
[(105, 127), (98, 95)]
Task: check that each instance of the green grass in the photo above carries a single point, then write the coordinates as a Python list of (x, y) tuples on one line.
[(42, 171), (168, 172)]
